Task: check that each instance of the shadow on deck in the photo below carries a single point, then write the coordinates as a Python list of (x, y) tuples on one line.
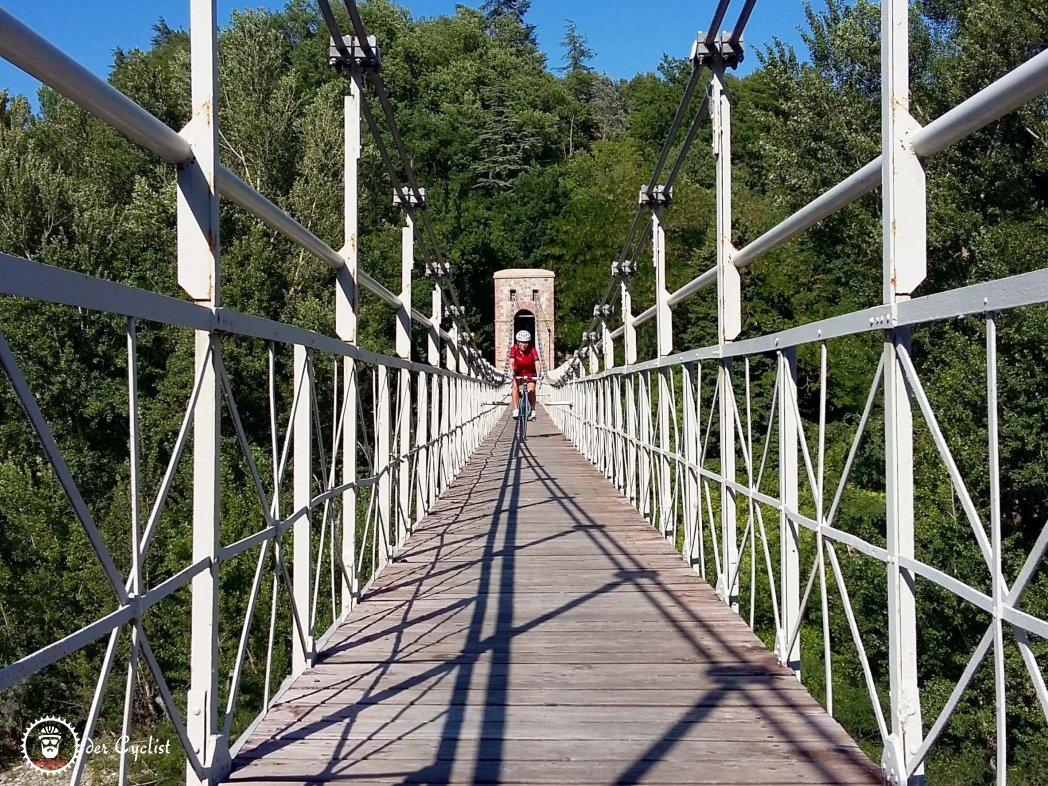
[(536, 630)]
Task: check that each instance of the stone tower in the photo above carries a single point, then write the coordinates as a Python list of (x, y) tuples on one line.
[(524, 300)]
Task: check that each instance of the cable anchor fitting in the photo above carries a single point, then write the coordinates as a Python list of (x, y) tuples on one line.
[(353, 53), (721, 50), (415, 200), (658, 196)]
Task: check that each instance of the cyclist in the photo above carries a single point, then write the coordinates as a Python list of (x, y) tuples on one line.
[(524, 362)]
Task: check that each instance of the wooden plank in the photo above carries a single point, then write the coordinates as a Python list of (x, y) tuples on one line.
[(778, 768), (536, 630)]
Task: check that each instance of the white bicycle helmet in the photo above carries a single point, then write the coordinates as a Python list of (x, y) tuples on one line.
[(523, 335)]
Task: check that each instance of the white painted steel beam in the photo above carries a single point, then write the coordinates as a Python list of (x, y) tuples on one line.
[(403, 342), (199, 275), (904, 233), (789, 534), (383, 459), (302, 651), (346, 311), (729, 318)]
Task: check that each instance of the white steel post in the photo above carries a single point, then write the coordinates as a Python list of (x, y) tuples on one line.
[(691, 458), (609, 344), (609, 423), (346, 328), (198, 275), (629, 330), (407, 264), (629, 356), (598, 422), (789, 554), (451, 406), (383, 465), (593, 392), (302, 658), (610, 436), (663, 313), (436, 402), (664, 328), (644, 414), (729, 319), (632, 454), (443, 458), (421, 451), (620, 456), (905, 265)]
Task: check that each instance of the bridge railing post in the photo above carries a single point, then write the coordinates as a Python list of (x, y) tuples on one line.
[(346, 304), (644, 435), (692, 504), (629, 355), (729, 319), (436, 402), (611, 422), (302, 481), (420, 460), (199, 275), (905, 248), (383, 458), (452, 407), (664, 329), (403, 345), (789, 534)]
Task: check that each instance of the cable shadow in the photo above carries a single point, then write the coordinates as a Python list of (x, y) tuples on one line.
[(739, 672), (701, 709)]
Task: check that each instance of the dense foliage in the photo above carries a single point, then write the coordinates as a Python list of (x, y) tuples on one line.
[(532, 164)]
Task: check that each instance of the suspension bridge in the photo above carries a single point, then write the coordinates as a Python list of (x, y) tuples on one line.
[(467, 606)]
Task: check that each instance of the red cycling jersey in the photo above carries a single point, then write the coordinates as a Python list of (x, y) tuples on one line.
[(525, 360)]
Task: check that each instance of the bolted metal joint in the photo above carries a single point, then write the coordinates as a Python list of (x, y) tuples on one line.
[(352, 52), (415, 201), (624, 269), (436, 270), (606, 310), (658, 196), (722, 50)]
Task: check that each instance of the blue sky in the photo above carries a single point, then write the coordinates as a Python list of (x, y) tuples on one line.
[(629, 36)]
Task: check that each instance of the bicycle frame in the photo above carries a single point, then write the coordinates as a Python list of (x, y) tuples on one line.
[(523, 407)]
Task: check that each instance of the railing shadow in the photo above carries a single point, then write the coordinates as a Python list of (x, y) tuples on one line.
[(495, 595)]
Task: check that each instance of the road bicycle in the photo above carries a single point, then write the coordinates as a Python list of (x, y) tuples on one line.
[(524, 409)]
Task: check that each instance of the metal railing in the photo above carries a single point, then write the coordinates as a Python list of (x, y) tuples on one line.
[(670, 432), (400, 430)]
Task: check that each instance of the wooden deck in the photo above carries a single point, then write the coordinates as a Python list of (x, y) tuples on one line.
[(536, 630)]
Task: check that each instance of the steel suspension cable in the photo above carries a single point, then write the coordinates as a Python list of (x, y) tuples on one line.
[(710, 38), (427, 242)]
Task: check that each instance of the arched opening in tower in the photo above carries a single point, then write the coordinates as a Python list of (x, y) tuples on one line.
[(524, 320)]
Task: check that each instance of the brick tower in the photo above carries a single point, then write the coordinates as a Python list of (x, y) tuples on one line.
[(524, 300)]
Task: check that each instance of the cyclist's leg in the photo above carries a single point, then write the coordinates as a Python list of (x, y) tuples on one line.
[(531, 401), (516, 396)]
